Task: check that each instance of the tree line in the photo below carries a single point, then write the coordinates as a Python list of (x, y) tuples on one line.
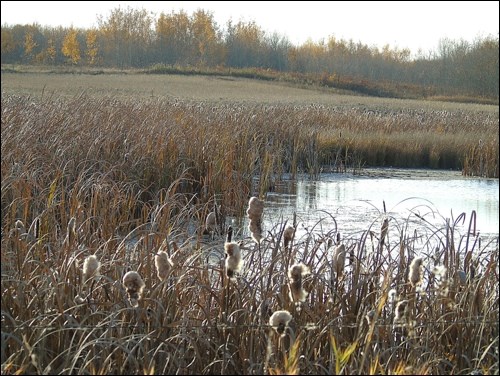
[(136, 38)]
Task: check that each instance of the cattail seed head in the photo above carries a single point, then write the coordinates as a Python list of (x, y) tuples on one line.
[(211, 222), (91, 267), (415, 274), (400, 311), (70, 232), (233, 259), (279, 320), (295, 274), (134, 285), (254, 213), (338, 261), (163, 265), (288, 235)]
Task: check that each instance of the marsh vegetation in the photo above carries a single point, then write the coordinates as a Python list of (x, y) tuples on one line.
[(99, 188)]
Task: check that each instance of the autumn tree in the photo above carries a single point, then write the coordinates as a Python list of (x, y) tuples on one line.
[(29, 45), (92, 46), (127, 36), (51, 51), (71, 47), (174, 42), (205, 34), (8, 43), (245, 45)]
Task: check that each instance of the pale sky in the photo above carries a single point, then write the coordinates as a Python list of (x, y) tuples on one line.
[(402, 24)]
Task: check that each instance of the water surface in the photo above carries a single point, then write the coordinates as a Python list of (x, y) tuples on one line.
[(353, 203)]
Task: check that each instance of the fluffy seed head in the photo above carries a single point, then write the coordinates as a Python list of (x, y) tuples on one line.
[(254, 213), (400, 311), (91, 267), (338, 261), (134, 285), (233, 259), (163, 265), (211, 222), (295, 274), (296, 271), (415, 275), (279, 320)]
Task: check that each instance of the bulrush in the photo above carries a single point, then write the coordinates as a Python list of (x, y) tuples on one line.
[(70, 238), (415, 274), (134, 285), (91, 267), (163, 265), (297, 292), (233, 256), (210, 223), (338, 261), (254, 213), (279, 320), (288, 235), (400, 313)]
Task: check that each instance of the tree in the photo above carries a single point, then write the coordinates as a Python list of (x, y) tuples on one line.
[(71, 47), (92, 47), (204, 32), (175, 44), (29, 45)]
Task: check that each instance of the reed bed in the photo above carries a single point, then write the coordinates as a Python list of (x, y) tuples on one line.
[(94, 190)]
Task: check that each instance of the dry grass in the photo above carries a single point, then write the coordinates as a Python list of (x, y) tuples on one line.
[(125, 179)]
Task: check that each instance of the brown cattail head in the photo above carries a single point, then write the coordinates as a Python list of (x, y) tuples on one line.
[(415, 274), (288, 235), (400, 313), (91, 267), (295, 274), (279, 320), (163, 265), (384, 229), (338, 261), (211, 222), (254, 213), (233, 259), (134, 285)]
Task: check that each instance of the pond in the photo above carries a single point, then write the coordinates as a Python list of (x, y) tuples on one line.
[(354, 203)]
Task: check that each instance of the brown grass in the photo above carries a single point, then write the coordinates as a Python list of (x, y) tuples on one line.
[(136, 176)]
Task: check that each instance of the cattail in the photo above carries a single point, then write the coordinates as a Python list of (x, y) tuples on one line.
[(415, 275), (254, 213), (338, 261), (288, 235), (91, 266), (19, 227), (400, 312), (163, 265), (134, 286), (210, 223), (297, 292), (20, 232), (233, 259), (383, 230), (279, 320), (70, 232)]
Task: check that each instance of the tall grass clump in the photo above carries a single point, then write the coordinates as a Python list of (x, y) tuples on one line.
[(105, 267)]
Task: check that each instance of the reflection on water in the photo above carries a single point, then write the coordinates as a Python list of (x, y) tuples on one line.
[(352, 204)]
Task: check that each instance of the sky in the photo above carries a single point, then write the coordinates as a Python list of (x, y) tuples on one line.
[(417, 25)]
